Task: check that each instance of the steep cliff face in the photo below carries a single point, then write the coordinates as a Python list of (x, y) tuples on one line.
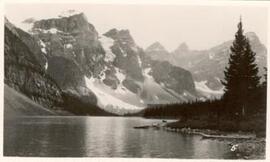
[(73, 38), (72, 50), (172, 77), (127, 58), (24, 72), (165, 83)]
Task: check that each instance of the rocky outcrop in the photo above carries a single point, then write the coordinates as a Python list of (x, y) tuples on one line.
[(173, 77)]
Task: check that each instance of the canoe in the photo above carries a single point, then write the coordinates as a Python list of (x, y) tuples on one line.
[(141, 127)]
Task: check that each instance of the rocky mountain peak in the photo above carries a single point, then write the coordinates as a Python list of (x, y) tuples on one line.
[(157, 46), (182, 49), (123, 36), (256, 43), (259, 48), (69, 13), (252, 36), (29, 20), (10, 26), (76, 23), (71, 46)]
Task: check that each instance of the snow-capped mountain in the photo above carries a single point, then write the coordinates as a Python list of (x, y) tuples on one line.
[(108, 69), (207, 66)]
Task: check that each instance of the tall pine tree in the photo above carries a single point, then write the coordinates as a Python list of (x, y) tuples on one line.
[(241, 76)]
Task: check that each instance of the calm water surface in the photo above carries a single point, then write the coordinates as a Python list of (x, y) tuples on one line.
[(103, 137)]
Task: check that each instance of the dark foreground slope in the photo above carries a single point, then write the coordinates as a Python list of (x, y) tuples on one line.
[(17, 104)]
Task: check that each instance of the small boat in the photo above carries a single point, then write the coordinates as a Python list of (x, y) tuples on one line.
[(141, 127), (156, 127)]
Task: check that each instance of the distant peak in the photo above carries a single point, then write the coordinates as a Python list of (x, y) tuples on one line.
[(114, 32), (182, 48), (29, 20), (156, 46), (123, 35), (69, 13), (252, 36)]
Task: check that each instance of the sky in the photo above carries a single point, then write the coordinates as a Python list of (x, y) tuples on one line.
[(201, 27)]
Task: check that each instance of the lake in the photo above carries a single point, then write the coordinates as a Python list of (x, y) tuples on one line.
[(70, 136)]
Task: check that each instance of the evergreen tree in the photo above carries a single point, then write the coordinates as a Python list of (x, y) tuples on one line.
[(241, 76), (264, 84)]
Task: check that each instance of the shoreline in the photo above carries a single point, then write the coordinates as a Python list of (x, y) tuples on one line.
[(244, 145)]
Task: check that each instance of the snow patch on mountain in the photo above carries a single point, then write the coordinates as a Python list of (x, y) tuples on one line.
[(51, 30), (211, 56), (218, 79), (43, 47), (204, 88), (120, 76), (107, 43), (154, 92), (121, 89), (106, 99), (139, 60), (68, 46), (43, 50), (102, 74), (146, 72), (123, 52), (46, 66), (27, 25), (176, 95)]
